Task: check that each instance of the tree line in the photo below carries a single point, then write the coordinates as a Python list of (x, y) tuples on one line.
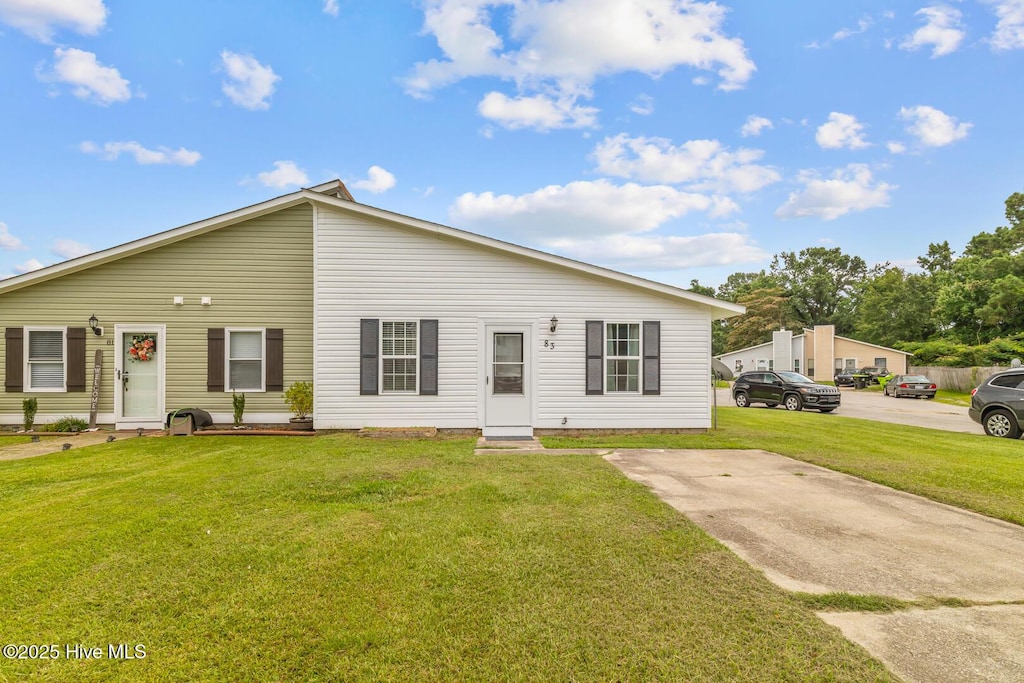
[(965, 309)]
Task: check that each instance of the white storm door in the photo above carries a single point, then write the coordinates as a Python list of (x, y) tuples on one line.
[(507, 384), (139, 376)]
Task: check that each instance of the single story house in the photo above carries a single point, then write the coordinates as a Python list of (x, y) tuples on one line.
[(397, 321), (817, 353)]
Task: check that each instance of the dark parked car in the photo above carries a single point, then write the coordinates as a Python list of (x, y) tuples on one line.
[(917, 386), (998, 403), (849, 377), (791, 389), (844, 378)]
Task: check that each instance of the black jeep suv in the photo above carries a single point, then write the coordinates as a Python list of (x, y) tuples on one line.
[(791, 389), (998, 404)]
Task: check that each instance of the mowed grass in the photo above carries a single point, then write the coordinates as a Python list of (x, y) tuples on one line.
[(976, 472), (339, 558)]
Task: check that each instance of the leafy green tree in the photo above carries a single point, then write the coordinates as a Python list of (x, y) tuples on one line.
[(896, 307), (982, 296), (767, 310), (823, 285)]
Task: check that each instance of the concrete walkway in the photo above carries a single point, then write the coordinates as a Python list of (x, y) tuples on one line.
[(55, 444), (814, 530)]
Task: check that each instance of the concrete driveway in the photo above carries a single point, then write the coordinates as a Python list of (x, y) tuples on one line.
[(814, 530), (873, 405)]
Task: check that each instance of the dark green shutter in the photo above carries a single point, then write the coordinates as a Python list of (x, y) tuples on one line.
[(428, 358), (275, 360), (215, 359), (652, 357), (595, 357), (369, 343), (76, 359), (14, 359)]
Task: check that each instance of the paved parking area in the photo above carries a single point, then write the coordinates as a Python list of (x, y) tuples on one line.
[(873, 405), (814, 530)]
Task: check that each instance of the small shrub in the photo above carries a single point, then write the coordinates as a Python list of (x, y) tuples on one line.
[(29, 407), (69, 424), (238, 403), (299, 398)]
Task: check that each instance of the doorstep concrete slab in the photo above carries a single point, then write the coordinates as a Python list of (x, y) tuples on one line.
[(811, 529)]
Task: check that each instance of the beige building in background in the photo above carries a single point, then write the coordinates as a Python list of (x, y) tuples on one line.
[(817, 353)]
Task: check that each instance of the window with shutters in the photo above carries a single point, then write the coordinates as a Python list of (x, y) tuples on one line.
[(246, 352), (622, 357), (45, 359), (399, 356)]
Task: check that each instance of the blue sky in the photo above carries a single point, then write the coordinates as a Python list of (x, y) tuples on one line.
[(671, 139)]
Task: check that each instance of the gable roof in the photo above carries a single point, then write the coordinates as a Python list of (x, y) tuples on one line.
[(811, 331), (334, 194)]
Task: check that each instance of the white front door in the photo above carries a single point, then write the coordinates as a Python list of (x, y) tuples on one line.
[(139, 376), (508, 381)]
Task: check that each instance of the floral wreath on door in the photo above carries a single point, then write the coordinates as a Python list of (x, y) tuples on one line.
[(142, 348)]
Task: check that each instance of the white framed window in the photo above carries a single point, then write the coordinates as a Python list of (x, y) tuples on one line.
[(45, 359), (245, 366), (796, 365), (881, 362), (399, 356), (763, 364), (622, 357)]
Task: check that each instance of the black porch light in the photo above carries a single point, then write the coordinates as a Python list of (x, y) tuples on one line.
[(94, 324), (554, 323)]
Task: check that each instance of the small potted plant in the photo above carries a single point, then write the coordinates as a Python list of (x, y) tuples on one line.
[(299, 398)]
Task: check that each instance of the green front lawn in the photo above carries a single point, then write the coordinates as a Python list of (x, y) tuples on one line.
[(976, 472), (339, 558)]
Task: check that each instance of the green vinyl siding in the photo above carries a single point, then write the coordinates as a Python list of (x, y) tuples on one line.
[(259, 274)]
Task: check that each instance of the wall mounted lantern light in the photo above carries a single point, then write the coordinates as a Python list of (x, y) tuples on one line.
[(554, 323), (94, 325)]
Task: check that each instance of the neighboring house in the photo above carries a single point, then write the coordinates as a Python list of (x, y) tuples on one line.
[(399, 322), (817, 353)]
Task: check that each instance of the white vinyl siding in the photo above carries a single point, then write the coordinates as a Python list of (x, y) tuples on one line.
[(245, 369), (375, 269), (399, 357), (45, 359), (622, 357)]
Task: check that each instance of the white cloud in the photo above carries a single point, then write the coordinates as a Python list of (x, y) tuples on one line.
[(378, 180), (28, 266), (285, 174), (642, 105), (584, 209), (601, 222), (539, 112), (849, 189), (560, 48), (89, 80), (9, 242), (40, 18), (934, 128), (895, 147), (251, 84), (942, 31), (1009, 33), (66, 248), (755, 125), (862, 25), (700, 164), (841, 131), (667, 252), (331, 7), (110, 151)]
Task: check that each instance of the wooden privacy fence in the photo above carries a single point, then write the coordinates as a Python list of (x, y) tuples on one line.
[(955, 379)]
